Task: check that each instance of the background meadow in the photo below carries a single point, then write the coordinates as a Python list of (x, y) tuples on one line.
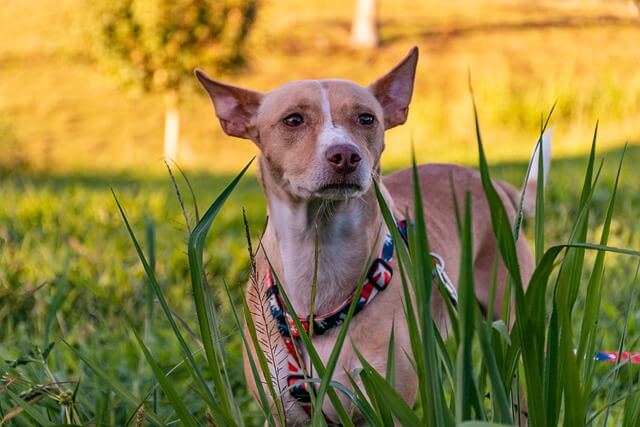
[(70, 133)]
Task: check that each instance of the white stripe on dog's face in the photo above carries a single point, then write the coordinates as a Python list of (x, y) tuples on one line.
[(330, 133)]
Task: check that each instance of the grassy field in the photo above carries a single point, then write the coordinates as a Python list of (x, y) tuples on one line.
[(68, 271), (69, 135)]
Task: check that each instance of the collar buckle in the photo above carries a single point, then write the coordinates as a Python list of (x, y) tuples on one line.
[(379, 274)]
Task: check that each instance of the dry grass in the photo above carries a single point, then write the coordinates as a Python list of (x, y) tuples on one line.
[(66, 114)]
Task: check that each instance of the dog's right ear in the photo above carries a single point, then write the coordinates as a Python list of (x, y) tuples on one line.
[(235, 107)]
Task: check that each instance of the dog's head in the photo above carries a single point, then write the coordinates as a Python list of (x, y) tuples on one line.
[(319, 138)]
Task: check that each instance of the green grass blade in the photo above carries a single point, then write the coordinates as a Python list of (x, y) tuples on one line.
[(539, 214), (619, 363), (628, 398), (466, 310), (204, 307), (153, 391), (499, 397), (150, 319), (114, 384), (60, 296), (382, 409), (570, 274), (170, 391), (151, 245), (422, 280), (589, 327), (561, 374), (367, 410), (631, 413), (481, 424), (596, 247), (314, 284), (506, 246), (553, 388), (390, 375), (401, 251), (389, 396), (445, 360), (537, 148), (193, 367), (404, 264), (29, 409)]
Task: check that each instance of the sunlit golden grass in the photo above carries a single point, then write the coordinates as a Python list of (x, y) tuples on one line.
[(67, 114)]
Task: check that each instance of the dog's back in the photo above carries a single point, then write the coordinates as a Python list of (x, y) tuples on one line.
[(439, 183)]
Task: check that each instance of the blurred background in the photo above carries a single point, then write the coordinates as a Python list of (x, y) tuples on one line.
[(95, 94), (86, 85)]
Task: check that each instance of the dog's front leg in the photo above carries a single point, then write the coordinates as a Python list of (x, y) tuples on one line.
[(374, 349)]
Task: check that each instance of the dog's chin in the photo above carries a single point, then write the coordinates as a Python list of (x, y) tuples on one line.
[(340, 191)]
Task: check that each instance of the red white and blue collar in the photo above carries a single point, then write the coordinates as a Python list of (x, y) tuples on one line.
[(377, 279)]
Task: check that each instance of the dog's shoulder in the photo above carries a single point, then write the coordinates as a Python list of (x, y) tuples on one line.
[(432, 177)]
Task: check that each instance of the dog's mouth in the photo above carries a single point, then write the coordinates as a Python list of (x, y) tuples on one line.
[(341, 186), (339, 190)]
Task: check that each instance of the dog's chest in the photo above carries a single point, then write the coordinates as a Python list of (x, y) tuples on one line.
[(331, 255)]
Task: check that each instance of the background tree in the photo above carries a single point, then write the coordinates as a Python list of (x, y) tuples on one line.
[(364, 29), (155, 45)]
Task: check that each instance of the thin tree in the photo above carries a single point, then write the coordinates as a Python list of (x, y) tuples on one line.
[(154, 45), (364, 29)]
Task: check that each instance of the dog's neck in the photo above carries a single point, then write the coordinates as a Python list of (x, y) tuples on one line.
[(348, 232)]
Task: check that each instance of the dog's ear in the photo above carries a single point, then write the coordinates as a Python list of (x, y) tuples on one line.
[(394, 89), (235, 107)]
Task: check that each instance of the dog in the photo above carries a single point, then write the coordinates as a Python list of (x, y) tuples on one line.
[(320, 143)]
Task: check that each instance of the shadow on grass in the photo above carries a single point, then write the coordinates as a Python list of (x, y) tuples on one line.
[(203, 183), (565, 178), (449, 32)]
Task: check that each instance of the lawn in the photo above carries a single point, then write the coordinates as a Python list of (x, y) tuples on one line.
[(69, 136), (68, 270)]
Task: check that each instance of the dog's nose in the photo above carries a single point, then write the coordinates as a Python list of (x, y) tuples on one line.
[(344, 158)]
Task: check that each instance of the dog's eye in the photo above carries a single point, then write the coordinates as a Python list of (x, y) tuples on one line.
[(366, 119), (293, 120)]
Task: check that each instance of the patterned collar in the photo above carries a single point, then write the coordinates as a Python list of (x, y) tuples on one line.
[(377, 280)]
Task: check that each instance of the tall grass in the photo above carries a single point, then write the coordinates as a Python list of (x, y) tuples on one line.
[(474, 377)]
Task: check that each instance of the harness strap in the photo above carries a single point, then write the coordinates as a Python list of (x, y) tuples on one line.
[(441, 272)]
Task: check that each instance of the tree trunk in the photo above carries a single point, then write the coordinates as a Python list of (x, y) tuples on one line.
[(171, 125), (364, 31)]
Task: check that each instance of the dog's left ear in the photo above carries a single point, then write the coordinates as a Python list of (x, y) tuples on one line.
[(235, 107), (394, 89)]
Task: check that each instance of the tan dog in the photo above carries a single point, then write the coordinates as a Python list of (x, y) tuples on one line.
[(321, 143)]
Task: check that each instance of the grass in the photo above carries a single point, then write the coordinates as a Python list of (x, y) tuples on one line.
[(68, 115), (69, 272)]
